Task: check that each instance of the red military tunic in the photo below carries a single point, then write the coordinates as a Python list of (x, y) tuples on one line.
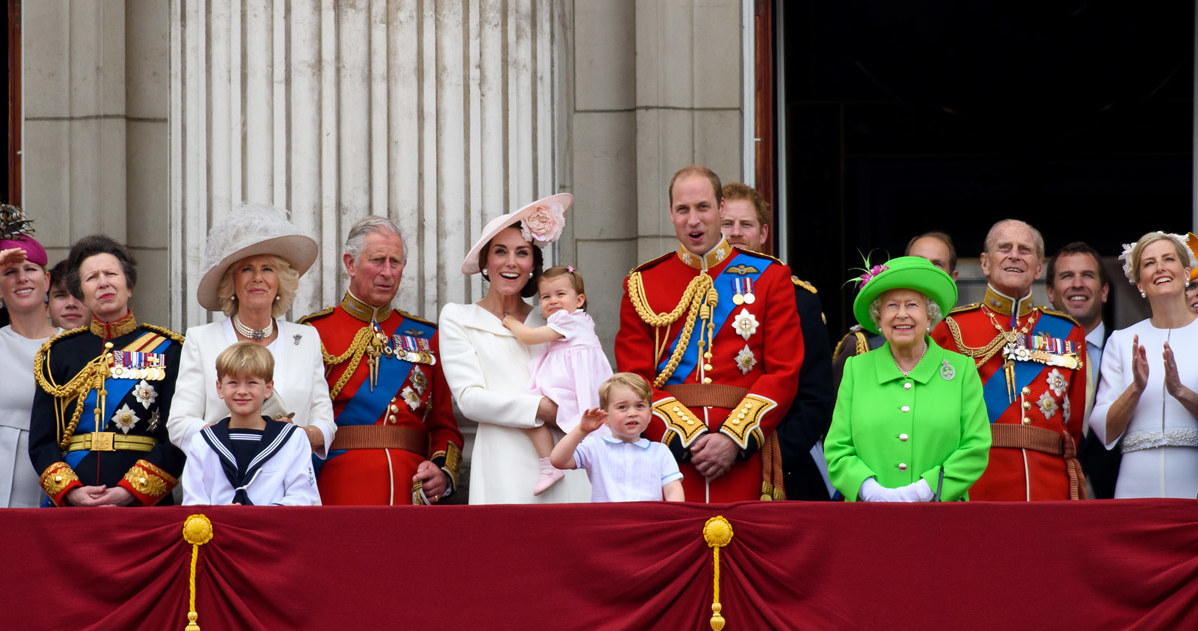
[(383, 432), (738, 371), (1036, 401)]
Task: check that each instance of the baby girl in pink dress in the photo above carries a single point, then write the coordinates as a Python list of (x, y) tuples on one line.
[(570, 371)]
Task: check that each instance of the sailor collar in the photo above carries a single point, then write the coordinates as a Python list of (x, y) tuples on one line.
[(714, 257), (362, 311), (113, 330), (1006, 305)]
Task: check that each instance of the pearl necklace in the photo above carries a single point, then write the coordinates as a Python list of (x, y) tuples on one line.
[(907, 373), (254, 334)]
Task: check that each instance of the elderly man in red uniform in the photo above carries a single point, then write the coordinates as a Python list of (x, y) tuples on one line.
[(714, 329), (1033, 365), (397, 441)]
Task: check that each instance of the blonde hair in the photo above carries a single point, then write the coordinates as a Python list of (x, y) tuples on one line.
[(245, 359), (575, 280), (288, 284), (629, 380), (1137, 251)]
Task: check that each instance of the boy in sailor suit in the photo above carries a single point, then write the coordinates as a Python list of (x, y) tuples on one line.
[(248, 458)]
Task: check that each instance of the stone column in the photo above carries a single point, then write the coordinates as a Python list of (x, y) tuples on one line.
[(437, 114)]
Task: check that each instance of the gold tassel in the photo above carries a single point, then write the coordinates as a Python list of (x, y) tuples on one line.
[(197, 531), (717, 532)]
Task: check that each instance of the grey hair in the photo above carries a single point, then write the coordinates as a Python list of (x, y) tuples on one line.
[(935, 314), (376, 224), (1036, 236)]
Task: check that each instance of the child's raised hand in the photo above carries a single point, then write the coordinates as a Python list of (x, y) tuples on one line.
[(593, 419), (508, 319)]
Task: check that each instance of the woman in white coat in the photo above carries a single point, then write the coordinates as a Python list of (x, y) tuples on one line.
[(1149, 390), (487, 368), (253, 261), (23, 286)]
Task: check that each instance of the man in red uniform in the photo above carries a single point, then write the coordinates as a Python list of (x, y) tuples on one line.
[(397, 441), (714, 329), (1033, 364)]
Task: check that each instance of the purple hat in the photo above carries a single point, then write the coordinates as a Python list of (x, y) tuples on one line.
[(15, 231)]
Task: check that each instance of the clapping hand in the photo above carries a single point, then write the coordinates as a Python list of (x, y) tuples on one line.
[(593, 419), (1139, 363)]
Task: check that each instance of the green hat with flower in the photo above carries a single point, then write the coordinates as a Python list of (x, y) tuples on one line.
[(904, 272)]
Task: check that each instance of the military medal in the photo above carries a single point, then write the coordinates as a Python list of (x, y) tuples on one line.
[(750, 297), (137, 365)]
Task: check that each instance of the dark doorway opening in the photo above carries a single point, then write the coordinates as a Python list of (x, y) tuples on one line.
[(937, 115)]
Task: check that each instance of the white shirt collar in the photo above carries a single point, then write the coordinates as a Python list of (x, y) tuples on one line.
[(643, 442)]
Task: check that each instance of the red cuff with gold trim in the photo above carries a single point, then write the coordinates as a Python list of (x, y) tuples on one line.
[(59, 479), (148, 483)]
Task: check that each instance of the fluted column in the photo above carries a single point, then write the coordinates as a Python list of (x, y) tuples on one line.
[(437, 114)]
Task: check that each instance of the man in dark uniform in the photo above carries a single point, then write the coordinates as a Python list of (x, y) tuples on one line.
[(397, 441), (804, 470), (97, 433), (713, 328)]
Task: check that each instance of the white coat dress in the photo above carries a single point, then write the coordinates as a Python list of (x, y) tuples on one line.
[(487, 370), (300, 386)]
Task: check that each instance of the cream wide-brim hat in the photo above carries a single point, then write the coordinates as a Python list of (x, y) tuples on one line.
[(251, 230), (560, 202)]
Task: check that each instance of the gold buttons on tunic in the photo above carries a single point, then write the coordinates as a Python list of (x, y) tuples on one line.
[(707, 380), (1027, 405), (1027, 421), (707, 367), (1026, 391)]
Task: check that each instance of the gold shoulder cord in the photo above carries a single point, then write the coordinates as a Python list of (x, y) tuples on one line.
[(354, 354), (982, 352), (91, 377), (698, 300)]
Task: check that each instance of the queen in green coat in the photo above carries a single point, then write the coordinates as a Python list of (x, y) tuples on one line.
[(909, 423)]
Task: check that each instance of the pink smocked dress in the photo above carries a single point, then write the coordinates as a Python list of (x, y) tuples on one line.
[(571, 369)]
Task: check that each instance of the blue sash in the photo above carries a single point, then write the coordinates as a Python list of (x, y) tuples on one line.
[(117, 390), (366, 406), (995, 389), (723, 285)]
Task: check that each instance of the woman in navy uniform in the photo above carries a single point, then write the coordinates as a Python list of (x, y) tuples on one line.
[(98, 428)]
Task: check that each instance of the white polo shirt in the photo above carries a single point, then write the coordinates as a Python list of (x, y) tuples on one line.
[(626, 472)]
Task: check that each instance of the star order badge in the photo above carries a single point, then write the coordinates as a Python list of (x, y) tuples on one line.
[(745, 324), (1048, 405), (419, 379), (125, 418), (145, 394), (1057, 382), (409, 395), (745, 360)]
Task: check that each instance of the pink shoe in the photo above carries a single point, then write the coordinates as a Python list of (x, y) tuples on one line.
[(549, 476)]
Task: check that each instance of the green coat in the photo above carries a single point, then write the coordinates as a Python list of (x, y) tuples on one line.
[(898, 429)]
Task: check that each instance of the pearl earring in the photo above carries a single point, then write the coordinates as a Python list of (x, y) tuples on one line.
[(276, 298), (1143, 295)]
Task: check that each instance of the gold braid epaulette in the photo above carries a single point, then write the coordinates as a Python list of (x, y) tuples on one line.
[(692, 303), (983, 352), (90, 377), (357, 348), (165, 331)]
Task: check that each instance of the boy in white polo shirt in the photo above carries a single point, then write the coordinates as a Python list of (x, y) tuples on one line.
[(623, 467)]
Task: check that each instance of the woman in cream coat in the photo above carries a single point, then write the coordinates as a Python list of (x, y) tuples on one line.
[(253, 261), (487, 368)]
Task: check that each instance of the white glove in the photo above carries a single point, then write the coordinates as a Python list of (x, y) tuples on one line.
[(871, 491), (915, 492), (918, 491)]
